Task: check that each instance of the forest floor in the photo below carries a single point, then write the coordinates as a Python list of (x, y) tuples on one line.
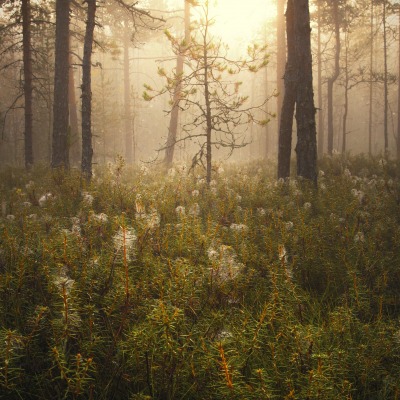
[(142, 285)]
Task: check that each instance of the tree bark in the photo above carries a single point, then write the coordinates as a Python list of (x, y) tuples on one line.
[(306, 148), (321, 128), (346, 96), (173, 124), (87, 149), (280, 56), (332, 79), (60, 145), (289, 98), (73, 115), (28, 89), (127, 97), (371, 67), (385, 82), (398, 99)]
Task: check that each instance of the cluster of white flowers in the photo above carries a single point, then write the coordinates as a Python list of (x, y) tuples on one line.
[(194, 210), (124, 242), (45, 198), (359, 237), (358, 194), (225, 265), (144, 169), (307, 205), (239, 227), (10, 217), (289, 225), (180, 211), (261, 211), (87, 199), (101, 218), (195, 193)]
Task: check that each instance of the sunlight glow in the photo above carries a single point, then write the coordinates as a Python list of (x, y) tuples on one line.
[(241, 21)]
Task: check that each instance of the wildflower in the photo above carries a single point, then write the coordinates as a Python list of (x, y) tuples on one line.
[(194, 210), (347, 173), (213, 183), (214, 191), (180, 211), (289, 225), (32, 217), (322, 186), (10, 217), (195, 193), (26, 204), (321, 173), (382, 162), (359, 237), (144, 170), (307, 206), (239, 227), (201, 182), (44, 199), (220, 170), (124, 242), (101, 218), (238, 198), (212, 254), (87, 198), (261, 211), (30, 185), (358, 194)]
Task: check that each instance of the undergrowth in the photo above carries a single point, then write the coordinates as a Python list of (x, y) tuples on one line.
[(146, 286)]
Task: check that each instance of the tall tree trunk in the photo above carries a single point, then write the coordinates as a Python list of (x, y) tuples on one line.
[(87, 149), (398, 98), (73, 115), (173, 123), (385, 81), (289, 98), (346, 95), (60, 145), (306, 148), (332, 79), (27, 58), (127, 96), (371, 67), (321, 130), (280, 56)]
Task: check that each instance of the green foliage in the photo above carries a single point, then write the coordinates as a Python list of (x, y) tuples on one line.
[(142, 286)]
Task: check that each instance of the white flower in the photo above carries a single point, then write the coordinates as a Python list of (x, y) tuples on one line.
[(238, 198), (10, 217), (180, 211), (347, 173), (289, 225), (321, 173), (144, 170), (260, 211), (195, 193), (101, 218), (212, 254), (220, 170), (382, 162), (358, 194), (239, 227), (43, 200), (213, 183), (124, 242), (214, 190), (26, 204), (307, 205), (322, 186), (33, 217), (30, 185), (194, 210), (87, 198), (359, 237)]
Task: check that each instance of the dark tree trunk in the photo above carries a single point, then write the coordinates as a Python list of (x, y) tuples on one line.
[(346, 95), (371, 67), (385, 81), (209, 126), (332, 79), (280, 56), (27, 57), (127, 97), (87, 150), (321, 128), (306, 148), (173, 123), (73, 116), (398, 100), (289, 98), (60, 145)]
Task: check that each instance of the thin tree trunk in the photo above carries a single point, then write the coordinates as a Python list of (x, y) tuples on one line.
[(398, 100), (60, 145), (173, 124), (27, 58), (289, 98), (371, 67), (280, 57), (321, 130), (127, 97), (306, 148), (73, 115), (385, 82), (346, 96), (87, 149), (332, 79)]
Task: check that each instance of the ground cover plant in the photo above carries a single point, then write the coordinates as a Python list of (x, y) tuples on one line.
[(145, 286)]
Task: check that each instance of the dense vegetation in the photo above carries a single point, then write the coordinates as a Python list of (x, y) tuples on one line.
[(142, 286)]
